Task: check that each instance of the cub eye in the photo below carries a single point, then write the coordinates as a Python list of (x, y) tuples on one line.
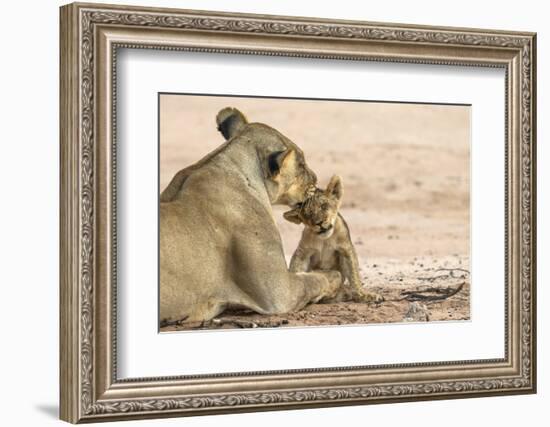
[(324, 206)]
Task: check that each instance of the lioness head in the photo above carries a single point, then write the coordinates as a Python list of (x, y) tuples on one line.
[(320, 210), (287, 177)]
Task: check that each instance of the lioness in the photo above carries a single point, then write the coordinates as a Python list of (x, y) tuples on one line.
[(326, 243), (219, 243)]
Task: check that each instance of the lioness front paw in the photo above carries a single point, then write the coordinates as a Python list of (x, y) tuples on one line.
[(334, 279), (368, 297)]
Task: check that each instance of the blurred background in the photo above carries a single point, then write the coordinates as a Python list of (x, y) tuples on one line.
[(405, 167)]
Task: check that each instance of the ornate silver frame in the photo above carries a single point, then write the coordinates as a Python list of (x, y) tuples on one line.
[(90, 36)]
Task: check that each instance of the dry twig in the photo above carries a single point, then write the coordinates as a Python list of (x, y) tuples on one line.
[(179, 322), (451, 273), (437, 294)]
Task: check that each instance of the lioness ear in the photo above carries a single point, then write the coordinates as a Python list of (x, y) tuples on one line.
[(335, 187), (293, 216), (276, 160), (230, 122)]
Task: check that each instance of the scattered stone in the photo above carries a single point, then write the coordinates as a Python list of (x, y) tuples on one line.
[(416, 313)]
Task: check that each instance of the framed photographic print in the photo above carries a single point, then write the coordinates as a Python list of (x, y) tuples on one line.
[(265, 212)]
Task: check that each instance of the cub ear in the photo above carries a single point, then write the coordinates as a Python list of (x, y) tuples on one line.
[(335, 187), (293, 216), (230, 122), (276, 161)]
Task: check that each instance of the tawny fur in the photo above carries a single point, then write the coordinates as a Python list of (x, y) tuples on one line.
[(219, 242)]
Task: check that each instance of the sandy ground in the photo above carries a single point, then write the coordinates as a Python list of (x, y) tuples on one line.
[(405, 169)]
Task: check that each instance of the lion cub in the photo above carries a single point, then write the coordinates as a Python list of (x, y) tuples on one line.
[(326, 242)]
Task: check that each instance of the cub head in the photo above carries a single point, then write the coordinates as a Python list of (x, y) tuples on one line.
[(320, 210), (287, 177)]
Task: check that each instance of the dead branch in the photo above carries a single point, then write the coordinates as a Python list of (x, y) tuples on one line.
[(453, 269), (438, 294), (433, 278), (451, 273), (219, 322), (179, 322)]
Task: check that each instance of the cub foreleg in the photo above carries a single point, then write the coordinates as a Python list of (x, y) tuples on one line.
[(350, 270)]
